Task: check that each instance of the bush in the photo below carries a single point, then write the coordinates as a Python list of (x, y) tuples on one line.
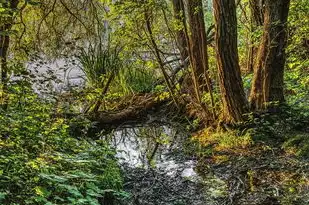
[(41, 162)]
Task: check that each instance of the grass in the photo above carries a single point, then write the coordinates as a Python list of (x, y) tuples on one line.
[(224, 141), (99, 63)]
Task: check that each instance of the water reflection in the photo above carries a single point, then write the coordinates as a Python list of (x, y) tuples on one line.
[(154, 147), (157, 170)]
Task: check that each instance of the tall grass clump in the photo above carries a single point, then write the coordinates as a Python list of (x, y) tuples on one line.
[(100, 64), (108, 68), (136, 80)]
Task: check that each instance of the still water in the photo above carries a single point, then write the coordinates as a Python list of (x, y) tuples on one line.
[(156, 167)]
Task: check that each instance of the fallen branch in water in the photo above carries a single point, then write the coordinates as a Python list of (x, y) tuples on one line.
[(134, 112), (137, 110)]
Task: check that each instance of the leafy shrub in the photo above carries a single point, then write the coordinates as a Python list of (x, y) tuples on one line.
[(298, 144), (41, 162), (296, 74), (275, 126)]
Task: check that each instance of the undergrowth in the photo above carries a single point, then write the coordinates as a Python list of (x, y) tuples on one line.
[(262, 161), (42, 162)]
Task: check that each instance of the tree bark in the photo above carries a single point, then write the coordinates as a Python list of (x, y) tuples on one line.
[(256, 21), (181, 35), (257, 11), (267, 83), (197, 44), (232, 91), (192, 41)]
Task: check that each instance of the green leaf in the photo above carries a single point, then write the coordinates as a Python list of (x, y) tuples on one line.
[(54, 178), (2, 195)]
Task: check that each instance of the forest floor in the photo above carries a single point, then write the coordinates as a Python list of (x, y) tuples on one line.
[(231, 169), (261, 174), (236, 169)]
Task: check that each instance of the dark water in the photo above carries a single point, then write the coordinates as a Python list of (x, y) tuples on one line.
[(157, 169)]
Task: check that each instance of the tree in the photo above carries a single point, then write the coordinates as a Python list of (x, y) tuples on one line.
[(256, 21), (267, 83), (192, 43), (257, 12), (6, 23), (197, 46), (181, 34), (232, 91)]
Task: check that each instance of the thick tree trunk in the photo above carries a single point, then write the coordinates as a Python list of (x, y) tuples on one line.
[(6, 23), (232, 91), (267, 83)]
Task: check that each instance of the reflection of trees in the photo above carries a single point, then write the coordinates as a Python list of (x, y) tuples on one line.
[(147, 140)]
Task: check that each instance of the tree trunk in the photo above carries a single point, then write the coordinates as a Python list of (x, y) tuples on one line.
[(256, 21), (197, 44), (232, 91), (193, 44), (257, 11), (181, 35), (267, 83), (6, 23)]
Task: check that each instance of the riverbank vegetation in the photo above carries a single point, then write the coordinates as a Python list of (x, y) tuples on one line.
[(234, 74)]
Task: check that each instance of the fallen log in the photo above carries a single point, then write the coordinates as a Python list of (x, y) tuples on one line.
[(136, 113), (132, 110)]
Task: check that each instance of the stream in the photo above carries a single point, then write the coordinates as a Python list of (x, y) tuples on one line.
[(157, 169)]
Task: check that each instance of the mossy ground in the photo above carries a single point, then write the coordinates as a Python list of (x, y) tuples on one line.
[(265, 164)]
